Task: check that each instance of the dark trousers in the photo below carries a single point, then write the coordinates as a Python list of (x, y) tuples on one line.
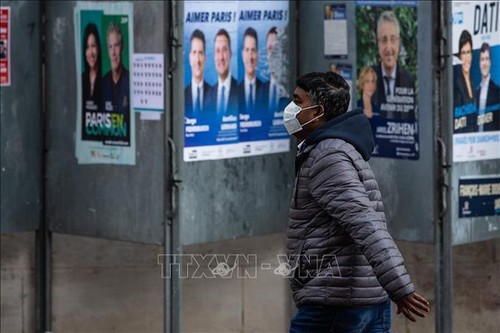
[(323, 319)]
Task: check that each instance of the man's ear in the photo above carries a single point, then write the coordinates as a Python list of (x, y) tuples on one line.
[(319, 111)]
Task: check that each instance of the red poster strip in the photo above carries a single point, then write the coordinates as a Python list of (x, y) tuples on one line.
[(5, 46)]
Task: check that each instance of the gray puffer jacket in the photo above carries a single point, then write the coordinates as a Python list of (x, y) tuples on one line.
[(340, 251)]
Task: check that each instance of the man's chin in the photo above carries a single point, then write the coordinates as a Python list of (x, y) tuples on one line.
[(389, 65)]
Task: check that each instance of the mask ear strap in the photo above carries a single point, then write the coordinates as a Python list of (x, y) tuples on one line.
[(307, 122), (322, 108)]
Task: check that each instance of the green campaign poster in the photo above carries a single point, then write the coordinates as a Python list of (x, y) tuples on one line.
[(105, 128)]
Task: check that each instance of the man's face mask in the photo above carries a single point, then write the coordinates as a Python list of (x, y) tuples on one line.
[(290, 120)]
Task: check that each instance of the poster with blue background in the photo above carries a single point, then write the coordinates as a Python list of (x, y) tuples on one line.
[(476, 80), (211, 77), (387, 82), (236, 78)]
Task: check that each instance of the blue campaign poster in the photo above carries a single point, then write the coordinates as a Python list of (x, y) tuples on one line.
[(387, 80), (262, 68), (211, 74), (476, 80), (479, 196), (236, 78)]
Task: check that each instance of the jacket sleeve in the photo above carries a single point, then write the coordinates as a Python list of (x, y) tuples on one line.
[(335, 184)]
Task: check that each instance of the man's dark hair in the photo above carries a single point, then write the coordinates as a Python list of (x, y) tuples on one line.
[(485, 47), (465, 38), (197, 33), (328, 89), (223, 32), (250, 32), (273, 30), (91, 29)]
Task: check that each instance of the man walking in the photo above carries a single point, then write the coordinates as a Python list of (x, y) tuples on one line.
[(345, 265)]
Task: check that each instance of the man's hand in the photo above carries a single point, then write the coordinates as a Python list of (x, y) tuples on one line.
[(413, 303)]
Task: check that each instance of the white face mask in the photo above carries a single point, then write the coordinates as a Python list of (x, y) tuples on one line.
[(290, 120)]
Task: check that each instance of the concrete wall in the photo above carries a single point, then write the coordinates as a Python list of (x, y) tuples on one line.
[(98, 285), (109, 286), (17, 282)]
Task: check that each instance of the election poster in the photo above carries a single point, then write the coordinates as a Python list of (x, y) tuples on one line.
[(5, 46), (386, 35), (335, 31), (264, 72), (235, 78), (105, 123), (479, 196), (476, 80)]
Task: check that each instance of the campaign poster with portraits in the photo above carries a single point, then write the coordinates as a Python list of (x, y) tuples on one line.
[(386, 37), (264, 73), (235, 78), (105, 123), (476, 80)]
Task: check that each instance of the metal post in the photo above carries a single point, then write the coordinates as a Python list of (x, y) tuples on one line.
[(171, 273), (443, 227), (43, 236), (167, 286)]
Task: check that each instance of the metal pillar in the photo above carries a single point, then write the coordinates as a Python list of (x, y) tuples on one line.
[(43, 236), (443, 228), (171, 269)]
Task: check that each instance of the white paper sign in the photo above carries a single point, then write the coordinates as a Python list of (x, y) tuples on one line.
[(147, 83)]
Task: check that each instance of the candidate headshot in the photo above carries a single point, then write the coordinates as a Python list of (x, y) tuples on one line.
[(390, 74), (252, 91), (197, 95), (366, 86), (116, 82), (227, 87), (271, 39), (463, 86), (276, 89), (91, 78), (487, 94)]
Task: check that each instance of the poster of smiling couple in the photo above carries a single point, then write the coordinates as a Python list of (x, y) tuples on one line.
[(387, 85), (476, 80), (105, 126), (236, 78)]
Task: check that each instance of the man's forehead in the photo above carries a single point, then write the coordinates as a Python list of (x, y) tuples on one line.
[(114, 34), (388, 25), (221, 39), (249, 38), (300, 93), (195, 41)]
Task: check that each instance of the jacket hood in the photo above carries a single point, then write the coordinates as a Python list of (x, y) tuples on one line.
[(352, 127)]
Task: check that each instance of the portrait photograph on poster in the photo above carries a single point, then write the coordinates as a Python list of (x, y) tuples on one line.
[(476, 80), (105, 123), (387, 83), (235, 78)]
